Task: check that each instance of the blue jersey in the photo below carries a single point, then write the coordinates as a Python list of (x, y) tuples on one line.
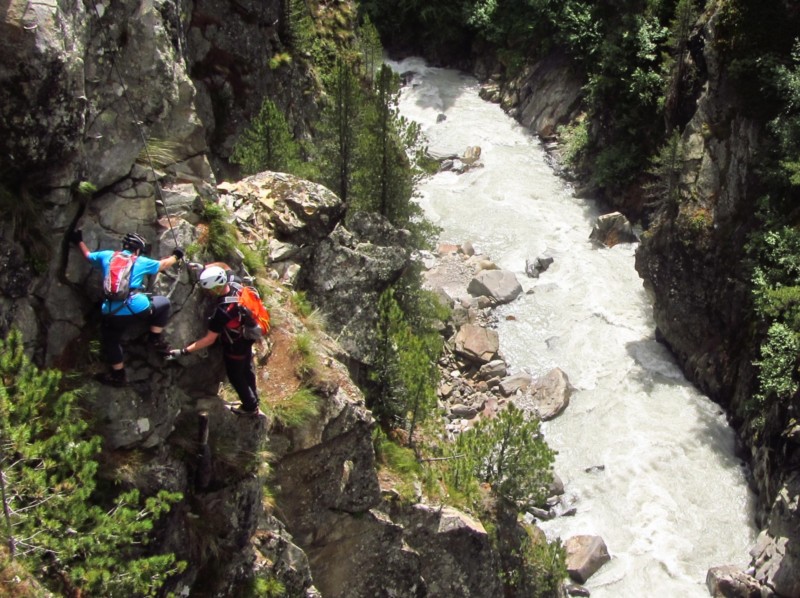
[(137, 302)]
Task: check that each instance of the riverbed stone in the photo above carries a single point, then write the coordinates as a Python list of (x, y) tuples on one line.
[(612, 229), (492, 369), (515, 383), (550, 394), (477, 344), (585, 555), (500, 285), (731, 582)]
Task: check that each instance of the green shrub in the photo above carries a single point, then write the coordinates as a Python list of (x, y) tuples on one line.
[(221, 241), (303, 348), (296, 409), (51, 499), (507, 452)]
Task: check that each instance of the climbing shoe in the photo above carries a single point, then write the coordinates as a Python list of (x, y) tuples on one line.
[(112, 378), (239, 410)]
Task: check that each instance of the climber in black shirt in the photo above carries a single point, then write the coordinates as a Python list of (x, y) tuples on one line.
[(225, 323)]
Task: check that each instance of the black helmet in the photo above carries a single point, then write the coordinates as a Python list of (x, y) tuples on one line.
[(132, 242)]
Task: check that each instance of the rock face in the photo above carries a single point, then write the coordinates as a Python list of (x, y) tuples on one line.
[(544, 96), (730, 582), (691, 259), (232, 77), (347, 273)]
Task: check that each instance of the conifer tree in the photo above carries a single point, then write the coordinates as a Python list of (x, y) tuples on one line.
[(267, 144), (370, 48), (666, 167), (508, 452), (385, 402), (384, 181), (337, 131), (419, 376), (53, 518)]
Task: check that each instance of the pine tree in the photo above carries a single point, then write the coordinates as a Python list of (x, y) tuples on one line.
[(507, 452), (370, 48), (336, 135), (267, 144), (48, 469), (385, 403), (666, 167), (418, 378), (384, 180)]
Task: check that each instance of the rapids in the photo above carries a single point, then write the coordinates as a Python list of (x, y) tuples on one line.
[(646, 459)]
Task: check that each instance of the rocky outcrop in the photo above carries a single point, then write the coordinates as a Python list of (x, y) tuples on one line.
[(545, 95), (347, 272)]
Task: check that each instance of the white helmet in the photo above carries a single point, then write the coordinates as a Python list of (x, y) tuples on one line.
[(213, 277)]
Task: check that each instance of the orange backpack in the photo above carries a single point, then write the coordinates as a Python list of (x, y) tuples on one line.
[(253, 316)]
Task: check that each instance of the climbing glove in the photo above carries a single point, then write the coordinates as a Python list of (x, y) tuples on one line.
[(175, 353), (178, 253), (75, 236)]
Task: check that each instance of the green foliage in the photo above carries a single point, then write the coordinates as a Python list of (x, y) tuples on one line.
[(297, 408), (280, 59), (384, 401), (221, 240), (666, 167), (395, 457), (49, 491), (338, 129), (159, 153), (776, 288), (540, 567), (369, 45), (253, 260), (575, 140), (778, 363), (405, 375), (383, 182), (266, 587), (786, 126), (301, 304), (507, 452), (87, 188), (307, 359), (267, 144)]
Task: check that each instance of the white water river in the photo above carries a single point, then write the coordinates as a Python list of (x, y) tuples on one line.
[(670, 499)]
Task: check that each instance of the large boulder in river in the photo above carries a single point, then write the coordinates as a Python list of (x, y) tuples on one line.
[(548, 396), (500, 285), (585, 555), (612, 229)]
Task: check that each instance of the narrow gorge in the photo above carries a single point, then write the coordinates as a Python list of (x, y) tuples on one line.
[(124, 116)]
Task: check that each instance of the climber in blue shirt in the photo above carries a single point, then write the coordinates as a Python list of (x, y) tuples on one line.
[(118, 315)]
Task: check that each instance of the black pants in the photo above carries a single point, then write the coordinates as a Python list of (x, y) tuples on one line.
[(113, 327), (242, 377)]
